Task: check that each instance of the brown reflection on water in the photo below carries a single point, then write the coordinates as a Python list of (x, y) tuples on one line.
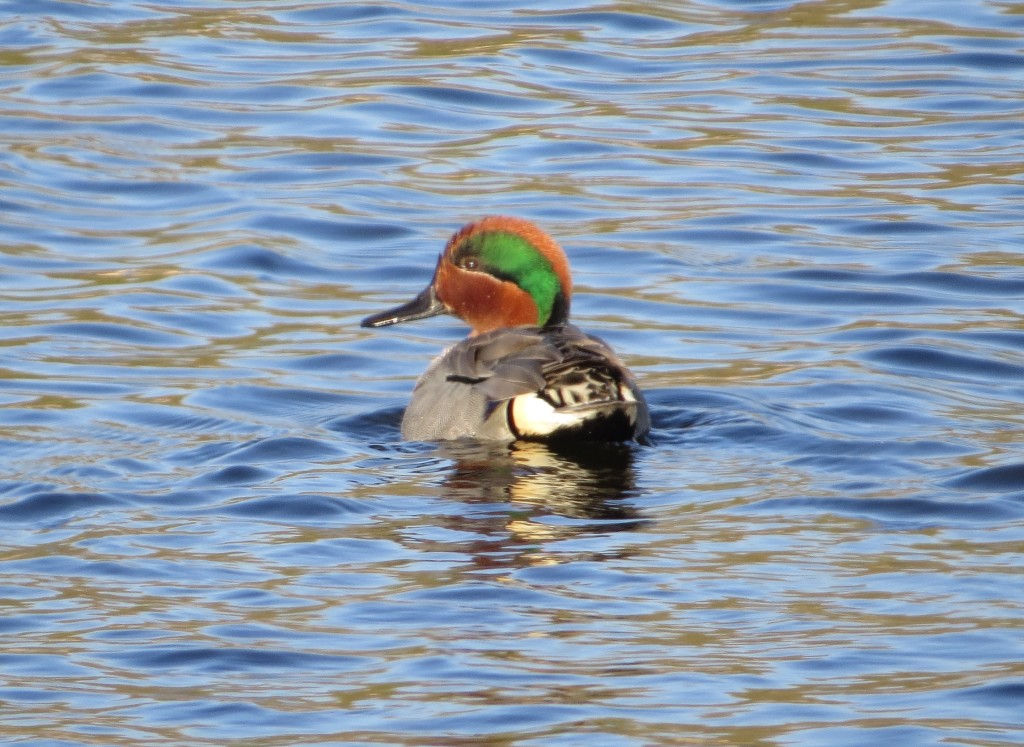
[(588, 482), (591, 487)]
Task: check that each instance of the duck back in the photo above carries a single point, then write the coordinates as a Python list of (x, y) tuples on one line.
[(543, 384)]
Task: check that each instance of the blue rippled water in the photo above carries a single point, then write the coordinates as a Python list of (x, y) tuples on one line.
[(799, 222)]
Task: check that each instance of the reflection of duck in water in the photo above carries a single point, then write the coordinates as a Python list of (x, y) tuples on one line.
[(595, 482), (524, 372)]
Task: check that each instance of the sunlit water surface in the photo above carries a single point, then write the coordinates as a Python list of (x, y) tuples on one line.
[(799, 222)]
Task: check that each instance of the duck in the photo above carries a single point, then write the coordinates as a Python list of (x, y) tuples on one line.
[(524, 372)]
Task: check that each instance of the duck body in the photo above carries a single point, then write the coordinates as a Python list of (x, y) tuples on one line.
[(527, 383), (525, 372)]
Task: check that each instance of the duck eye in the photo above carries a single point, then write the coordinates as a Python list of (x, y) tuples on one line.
[(469, 263)]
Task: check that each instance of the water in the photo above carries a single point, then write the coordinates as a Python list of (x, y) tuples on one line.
[(799, 223)]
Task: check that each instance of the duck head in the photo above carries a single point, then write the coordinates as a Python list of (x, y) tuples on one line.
[(495, 272)]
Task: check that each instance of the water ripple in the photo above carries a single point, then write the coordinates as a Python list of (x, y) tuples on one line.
[(799, 224)]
